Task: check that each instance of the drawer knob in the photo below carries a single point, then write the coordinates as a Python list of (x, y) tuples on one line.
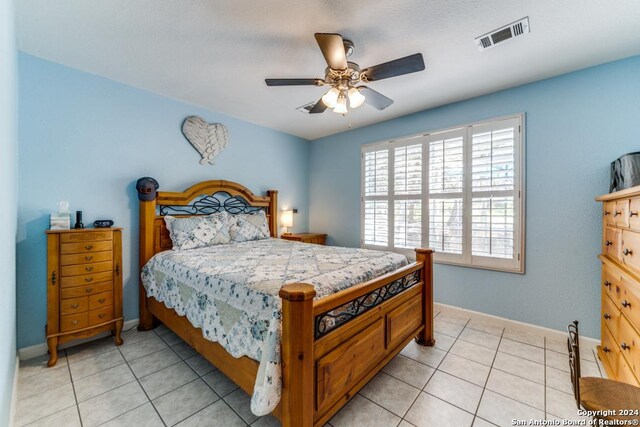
[(88, 247), (633, 214), (627, 252), (88, 258), (101, 315), (88, 279), (88, 268), (74, 322), (624, 346), (606, 316), (616, 213), (53, 278), (101, 300), (89, 290), (607, 284), (74, 306), (608, 243), (607, 213), (626, 303), (606, 349)]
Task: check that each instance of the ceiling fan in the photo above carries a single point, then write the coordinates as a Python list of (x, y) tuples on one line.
[(344, 77)]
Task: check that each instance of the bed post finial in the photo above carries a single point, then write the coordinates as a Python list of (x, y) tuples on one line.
[(297, 355), (426, 336), (147, 191)]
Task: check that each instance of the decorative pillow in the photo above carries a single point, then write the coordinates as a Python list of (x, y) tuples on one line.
[(198, 231), (250, 227)]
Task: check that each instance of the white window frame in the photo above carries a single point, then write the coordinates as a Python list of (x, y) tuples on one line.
[(466, 259)]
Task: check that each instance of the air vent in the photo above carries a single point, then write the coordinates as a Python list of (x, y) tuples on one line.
[(306, 107), (503, 34)]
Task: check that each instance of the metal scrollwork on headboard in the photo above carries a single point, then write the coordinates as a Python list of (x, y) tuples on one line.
[(214, 203)]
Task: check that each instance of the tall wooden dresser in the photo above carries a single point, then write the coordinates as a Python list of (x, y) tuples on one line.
[(84, 285), (620, 321)]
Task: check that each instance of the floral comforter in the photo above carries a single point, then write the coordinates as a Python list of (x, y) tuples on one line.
[(231, 292)]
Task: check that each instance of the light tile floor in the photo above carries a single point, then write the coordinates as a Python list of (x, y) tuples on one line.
[(479, 374)]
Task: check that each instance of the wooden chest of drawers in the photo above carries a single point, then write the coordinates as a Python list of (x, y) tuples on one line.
[(315, 238), (84, 285), (620, 347)]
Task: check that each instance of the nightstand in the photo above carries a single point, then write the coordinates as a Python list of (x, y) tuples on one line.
[(84, 285), (314, 238)]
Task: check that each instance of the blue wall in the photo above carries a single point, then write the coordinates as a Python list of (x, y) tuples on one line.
[(576, 124), (8, 213), (87, 139)]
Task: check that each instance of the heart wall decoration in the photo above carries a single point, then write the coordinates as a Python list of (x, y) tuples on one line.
[(209, 139)]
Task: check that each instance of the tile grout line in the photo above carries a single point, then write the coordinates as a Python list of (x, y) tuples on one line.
[(73, 387), (484, 388)]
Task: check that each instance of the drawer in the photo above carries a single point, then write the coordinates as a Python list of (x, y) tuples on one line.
[(94, 267), (625, 373), (79, 291), (72, 322), (630, 249), (610, 314), (611, 280), (100, 300), (629, 343), (74, 305), (612, 243), (85, 247), (86, 236), (100, 315), (629, 300), (74, 259), (609, 209), (404, 320), (621, 213), (610, 350), (86, 279)]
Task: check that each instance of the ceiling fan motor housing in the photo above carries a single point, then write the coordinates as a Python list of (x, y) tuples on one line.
[(349, 76)]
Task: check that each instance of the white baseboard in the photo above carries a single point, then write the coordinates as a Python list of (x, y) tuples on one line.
[(41, 349), (14, 393), (528, 327)]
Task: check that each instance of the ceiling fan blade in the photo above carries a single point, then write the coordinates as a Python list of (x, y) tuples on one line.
[(374, 98), (320, 107), (332, 48), (294, 82), (398, 67)]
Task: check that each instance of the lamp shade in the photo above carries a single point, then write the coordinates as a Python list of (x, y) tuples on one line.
[(330, 98), (341, 103), (286, 218), (356, 99)]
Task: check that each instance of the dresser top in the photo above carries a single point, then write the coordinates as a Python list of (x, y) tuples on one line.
[(629, 192), (81, 230)]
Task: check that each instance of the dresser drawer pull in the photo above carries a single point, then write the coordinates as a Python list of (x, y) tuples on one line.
[(607, 284), (53, 278), (88, 258), (626, 303), (88, 247), (608, 243), (606, 316), (627, 252), (89, 290), (88, 268), (616, 213), (102, 300), (88, 279), (74, 322), (633, 214), (101, 316), (624, 346), (606, 349), (74, 306), (607, 213)]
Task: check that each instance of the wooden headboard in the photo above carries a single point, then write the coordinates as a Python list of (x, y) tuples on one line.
[(200, 199)]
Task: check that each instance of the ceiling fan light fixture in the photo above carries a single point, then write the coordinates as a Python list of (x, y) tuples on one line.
[(356, 99), (331, 97), (341, 104)]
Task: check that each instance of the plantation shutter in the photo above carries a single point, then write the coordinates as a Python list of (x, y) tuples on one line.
[(407, 196), (376, 192)]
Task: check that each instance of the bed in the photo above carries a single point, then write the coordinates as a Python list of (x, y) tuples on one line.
[(335, 325)]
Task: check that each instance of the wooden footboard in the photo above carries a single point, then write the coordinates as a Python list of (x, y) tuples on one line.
[(332, 347)]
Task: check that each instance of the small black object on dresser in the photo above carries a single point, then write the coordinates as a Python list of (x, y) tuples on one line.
[(102, 223)]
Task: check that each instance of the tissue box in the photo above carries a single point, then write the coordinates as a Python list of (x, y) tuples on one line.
[(59, 221)]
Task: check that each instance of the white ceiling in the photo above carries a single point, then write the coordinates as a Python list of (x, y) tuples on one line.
[(217, 53)]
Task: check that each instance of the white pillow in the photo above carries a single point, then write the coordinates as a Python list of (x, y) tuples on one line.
[(249, 227), (198, 231)]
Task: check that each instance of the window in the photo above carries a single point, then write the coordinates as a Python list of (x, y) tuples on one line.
[(458, 191)]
